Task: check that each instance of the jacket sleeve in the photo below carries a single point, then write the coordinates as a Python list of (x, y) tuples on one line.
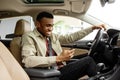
[(68, 38)]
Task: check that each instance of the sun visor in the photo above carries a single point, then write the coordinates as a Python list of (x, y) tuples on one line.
[(80, 6)]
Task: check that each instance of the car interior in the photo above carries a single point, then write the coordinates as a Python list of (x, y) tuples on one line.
[(104, 48)]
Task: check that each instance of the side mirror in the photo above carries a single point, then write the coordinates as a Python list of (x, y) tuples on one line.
[(103, 2)]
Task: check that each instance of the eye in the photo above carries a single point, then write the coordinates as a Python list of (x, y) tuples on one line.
[(49, 25)]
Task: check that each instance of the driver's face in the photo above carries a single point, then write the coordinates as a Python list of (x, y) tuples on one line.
[(45, 26)]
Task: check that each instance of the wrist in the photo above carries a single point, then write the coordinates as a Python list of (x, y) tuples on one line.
[(93, 27), (58, 59)]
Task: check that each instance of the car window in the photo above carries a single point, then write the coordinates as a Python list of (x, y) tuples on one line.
[(109, 14), (66, 25), (62, 25), (7, 25), (44, 1)]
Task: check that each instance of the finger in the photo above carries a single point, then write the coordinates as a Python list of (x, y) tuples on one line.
[(72, 56), (103, 26), (73, 50)]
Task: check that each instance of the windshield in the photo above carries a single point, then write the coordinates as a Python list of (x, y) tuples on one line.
[(109, 14)]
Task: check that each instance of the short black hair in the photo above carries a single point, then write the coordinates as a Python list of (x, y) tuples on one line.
[(44, 14)]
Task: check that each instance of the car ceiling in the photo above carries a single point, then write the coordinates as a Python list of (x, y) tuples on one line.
[(10, 8)]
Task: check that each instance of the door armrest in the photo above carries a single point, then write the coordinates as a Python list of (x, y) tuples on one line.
[(43, 73)]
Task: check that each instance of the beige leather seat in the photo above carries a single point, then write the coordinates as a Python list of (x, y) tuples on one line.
[(9, 67), (22, 26)]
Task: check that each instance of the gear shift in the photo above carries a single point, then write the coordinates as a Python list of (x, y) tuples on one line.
[(100, 67)]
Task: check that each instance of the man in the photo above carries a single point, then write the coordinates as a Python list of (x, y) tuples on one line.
[(36, 52)]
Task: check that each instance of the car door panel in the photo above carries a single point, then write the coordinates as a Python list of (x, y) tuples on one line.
[(81, 47)]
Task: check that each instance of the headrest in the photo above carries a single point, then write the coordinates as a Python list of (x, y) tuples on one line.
[(21, 27)]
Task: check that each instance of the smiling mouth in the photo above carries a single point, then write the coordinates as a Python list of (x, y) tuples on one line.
[(49, 33)]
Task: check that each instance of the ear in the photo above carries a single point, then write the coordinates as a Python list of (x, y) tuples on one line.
[(37, 24)]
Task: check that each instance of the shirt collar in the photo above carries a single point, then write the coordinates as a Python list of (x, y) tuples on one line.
[(37, 33)]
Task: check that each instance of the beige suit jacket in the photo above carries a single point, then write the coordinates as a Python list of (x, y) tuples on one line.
[(34, 47)]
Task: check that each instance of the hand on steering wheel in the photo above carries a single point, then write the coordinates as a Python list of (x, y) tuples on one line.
[(95, 42)]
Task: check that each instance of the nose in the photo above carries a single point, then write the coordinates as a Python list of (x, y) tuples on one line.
[(50, 28)]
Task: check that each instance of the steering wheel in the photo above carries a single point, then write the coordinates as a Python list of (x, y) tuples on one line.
[(95, 42)]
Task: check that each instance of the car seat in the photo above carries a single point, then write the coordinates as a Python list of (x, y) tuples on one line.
[(23, 26), (9, 67)]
